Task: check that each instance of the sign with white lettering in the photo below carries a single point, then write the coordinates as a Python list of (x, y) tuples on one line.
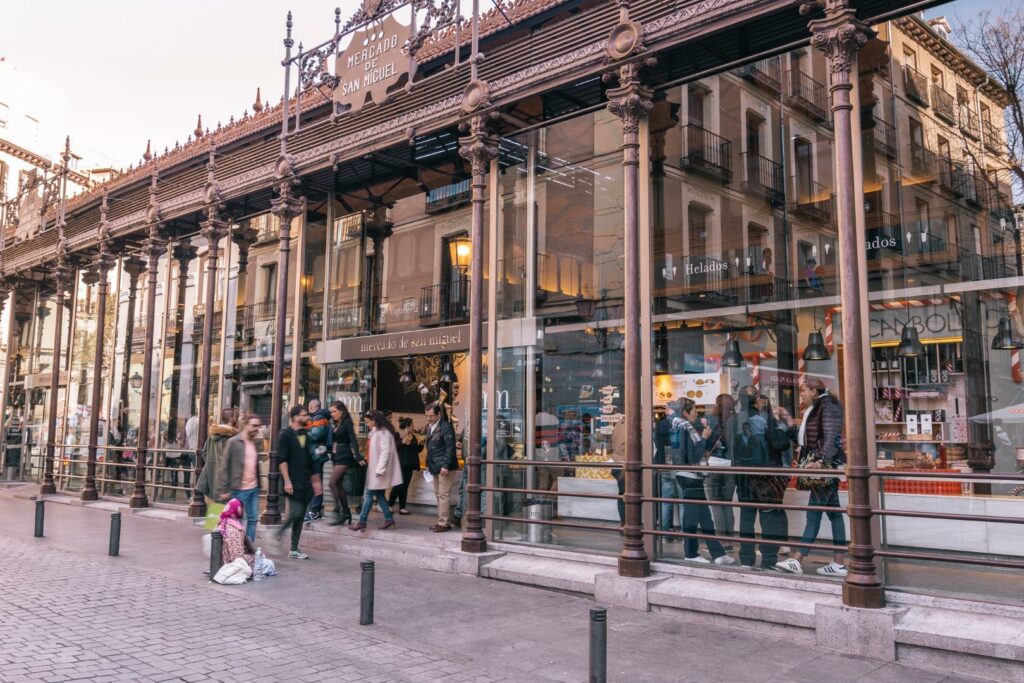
[(373, 62), (413, 343)]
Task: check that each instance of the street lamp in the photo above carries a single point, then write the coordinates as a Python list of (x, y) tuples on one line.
[(460, 251), (135, 381)]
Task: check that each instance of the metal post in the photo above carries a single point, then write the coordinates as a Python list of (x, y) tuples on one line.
[(114, 549), (841, 36), (216, 553), (479, 147), (61, 275), (40, 513), (366, 593), (598, 645), (104, 262), (631, 102)]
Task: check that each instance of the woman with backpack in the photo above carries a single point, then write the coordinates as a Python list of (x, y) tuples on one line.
[(819, 446)]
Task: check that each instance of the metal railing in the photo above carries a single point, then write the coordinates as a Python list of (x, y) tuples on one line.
[(916, 85), (812, 200), (344, 316), (885, 137), (765, 72), (944, 104), (446, 303), (449, 196), (764, 177), (993, 139), (808, 95), (951, 176), (922, 161), (968, 120), (707, 153)]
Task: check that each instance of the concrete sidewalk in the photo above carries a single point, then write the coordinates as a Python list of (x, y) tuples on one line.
[(150, 614)]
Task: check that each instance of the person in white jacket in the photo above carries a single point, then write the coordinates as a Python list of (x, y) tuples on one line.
[(382, 468)]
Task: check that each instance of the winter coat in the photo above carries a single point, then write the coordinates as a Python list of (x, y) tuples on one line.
[(441, 448), (382, 467), (233, 465), (409, 454), (823, 433), (214, 452)]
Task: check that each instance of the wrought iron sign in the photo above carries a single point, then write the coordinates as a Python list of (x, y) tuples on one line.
[(373, 62)]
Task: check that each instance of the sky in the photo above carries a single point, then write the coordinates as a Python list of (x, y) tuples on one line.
[(132, 71)]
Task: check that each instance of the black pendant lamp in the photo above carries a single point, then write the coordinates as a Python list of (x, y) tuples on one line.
[(1004, 340), (407, 376), (910, 344), (447, 371), (816, 349), (732, 358), (661, 364)]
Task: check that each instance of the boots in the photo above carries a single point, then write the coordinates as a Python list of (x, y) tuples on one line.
[(341, 517)]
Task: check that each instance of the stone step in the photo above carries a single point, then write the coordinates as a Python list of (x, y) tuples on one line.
[(395, 550), (577, 577)]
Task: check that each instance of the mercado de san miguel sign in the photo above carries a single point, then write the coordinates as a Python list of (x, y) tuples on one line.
[(373, 62)]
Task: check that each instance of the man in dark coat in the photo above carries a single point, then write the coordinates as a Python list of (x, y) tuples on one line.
[(441, 463)]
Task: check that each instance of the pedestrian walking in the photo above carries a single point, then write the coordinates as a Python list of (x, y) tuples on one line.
[(318, 435), (240, 478), (345, 456), (215, 450), (696, 517), (295, 464), (382, 468), (409, 448), (442, 463)]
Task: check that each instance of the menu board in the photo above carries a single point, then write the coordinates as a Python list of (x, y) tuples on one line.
[(700, 387)]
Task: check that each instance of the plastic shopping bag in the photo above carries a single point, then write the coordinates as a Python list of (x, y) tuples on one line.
[(234, 573), (207, 542), (213, 511)]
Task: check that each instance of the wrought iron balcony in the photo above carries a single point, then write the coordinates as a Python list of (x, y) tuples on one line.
[(951, 176), (916, 85), (764, 178), (344, 317), (969, 122), (766, 73), (885, 137), (943, 104), (267, 228), (808, 95), (446, 303), (448, 196), (922, 161), (707, 154), (993, 138), (812, 200)]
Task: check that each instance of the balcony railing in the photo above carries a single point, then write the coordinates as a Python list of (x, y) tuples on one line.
[(767, 73), (344, 316), (445, 304), (448, 196), (969, 122), (951, 176), (922, 161), (885, 137), (916, 85), (808, 95), (267, 227), (707, 154), (764, 178), (811, 200), (993, 139), (943, 104)]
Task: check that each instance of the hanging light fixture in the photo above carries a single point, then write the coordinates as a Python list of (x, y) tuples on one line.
[(585, 307), (1004, 340), (135, 381), (816, 349), (407, 376), (460, 251), (447, 371), (910, 344), (732, 358), (661, 362)]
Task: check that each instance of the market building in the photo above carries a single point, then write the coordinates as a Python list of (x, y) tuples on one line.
[(624, 204)]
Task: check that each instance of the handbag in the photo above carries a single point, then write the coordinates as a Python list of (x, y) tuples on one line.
[(767, 488), (806, 483)]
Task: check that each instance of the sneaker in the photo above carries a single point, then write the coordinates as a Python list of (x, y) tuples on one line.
[(725, 559), (310, 516), (747, 567), (784, 550), (790, 566), (297, 555), (698, 560), (832, 569)]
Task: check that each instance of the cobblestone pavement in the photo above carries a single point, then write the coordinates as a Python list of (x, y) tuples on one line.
[(69, 612)]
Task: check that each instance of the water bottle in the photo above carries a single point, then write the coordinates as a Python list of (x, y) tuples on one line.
[(257, 574)]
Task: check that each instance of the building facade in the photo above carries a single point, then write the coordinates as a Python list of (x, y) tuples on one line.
[(652, 203)]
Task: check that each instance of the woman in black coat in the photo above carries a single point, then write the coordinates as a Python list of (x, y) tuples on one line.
[(345, 455), (409, 449)]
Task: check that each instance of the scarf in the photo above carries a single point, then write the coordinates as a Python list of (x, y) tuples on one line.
[(687, 427)]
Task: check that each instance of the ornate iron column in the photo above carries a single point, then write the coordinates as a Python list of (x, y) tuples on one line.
[(99, 274), (286, 206), (479, 147), (183, 253), (154, 248), (630, 102), (135, 267), (213, 229), (840, 35)]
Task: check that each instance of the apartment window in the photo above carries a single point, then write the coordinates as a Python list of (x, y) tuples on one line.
[(3, 179), (803, 157), (755, 126), (916, 133), (944, 152), (697, 221), (269, 282), (697, 97), (938, 78), (986, 114), (962, 98), (910, 58)]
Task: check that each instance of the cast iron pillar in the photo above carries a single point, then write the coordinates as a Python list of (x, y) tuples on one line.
[(840, 35), (183, 253), (479, 147), (134, 267), (62, 279), (155, 246), (98, 275), (213, 229), (631, 102), (286, 206)]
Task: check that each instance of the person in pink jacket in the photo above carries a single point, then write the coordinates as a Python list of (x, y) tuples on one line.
[(382, 468)]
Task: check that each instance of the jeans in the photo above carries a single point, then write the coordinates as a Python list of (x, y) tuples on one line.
[(669, 489), (774, 526), (697, 516), (400, 493), (620, 479), (297, 504), (250, 500), (460, 505), (824, 495), (721, 487), (368, 499)]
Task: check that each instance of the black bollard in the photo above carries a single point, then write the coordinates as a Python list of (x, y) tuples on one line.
[(115, 535), (598, 645), (216, 553), (40, 511), (366, 594)]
